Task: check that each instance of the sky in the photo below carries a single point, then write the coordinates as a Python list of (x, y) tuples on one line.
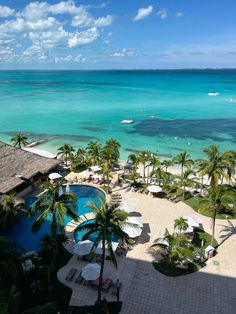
[(117, 34)]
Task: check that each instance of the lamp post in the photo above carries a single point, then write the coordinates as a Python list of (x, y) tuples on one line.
[(118, 284)]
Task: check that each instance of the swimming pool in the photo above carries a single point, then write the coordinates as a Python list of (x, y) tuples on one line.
[(21, 230)]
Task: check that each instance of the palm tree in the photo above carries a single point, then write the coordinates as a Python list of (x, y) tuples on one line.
[(48, 252), (11, 208), (135, 161), (229, 164), (19, 140), (79, 161), (167, 163), (199, 166), (184, 180), (214, 165), (94, 152), (220, 200), (65, 151), (176, 246), (144, 158), (181, 224), (107, 224), (114, 146), (57, 205), (183, 159)]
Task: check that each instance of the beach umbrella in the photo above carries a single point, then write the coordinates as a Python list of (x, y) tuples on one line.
[(154, 188), (99, 248), (95, 168), (91, 271), (83, 247), (54, 176), (132, 231), (125, 208), (192, 221), (135, 221)]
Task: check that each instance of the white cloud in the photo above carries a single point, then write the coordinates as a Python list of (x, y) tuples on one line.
[(179, 14), (107, 42), (162, 14), (83, 38), (131, 53), (6, 11), (70, 59), (103, 21), (143, 13)]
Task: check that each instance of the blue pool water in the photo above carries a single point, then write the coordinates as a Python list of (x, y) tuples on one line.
[(21, 230), (79, 234)]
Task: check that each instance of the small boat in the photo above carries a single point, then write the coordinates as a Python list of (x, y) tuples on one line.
[(127, 121), (233, 99), (213, 94)]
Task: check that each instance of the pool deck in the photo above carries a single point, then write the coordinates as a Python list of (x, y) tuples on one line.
[(145, 290)]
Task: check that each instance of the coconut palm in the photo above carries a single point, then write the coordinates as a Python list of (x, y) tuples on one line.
[(48, 252), (183, 159), (135, 161), (145, 158), (167, 163), (65, 151), (114, 146), (19, 140), (11, 208), (107, 224), (55, 204), (199, 166), (94, 152), (177, 247), (181, 224), (213, 168), (220, 201), (229, 164), (185, 180)]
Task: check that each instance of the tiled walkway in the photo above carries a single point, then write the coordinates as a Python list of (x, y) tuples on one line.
[(144, 290)]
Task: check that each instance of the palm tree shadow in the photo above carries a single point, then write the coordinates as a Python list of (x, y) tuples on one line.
[(227, 232)]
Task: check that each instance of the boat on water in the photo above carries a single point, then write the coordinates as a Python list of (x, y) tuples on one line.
[(127, 121), (213, 94), (233, 99)]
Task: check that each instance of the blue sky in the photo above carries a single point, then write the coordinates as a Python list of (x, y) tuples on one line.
[(117, 34)]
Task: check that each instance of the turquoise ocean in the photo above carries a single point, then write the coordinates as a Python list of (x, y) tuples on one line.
[(171, 109)]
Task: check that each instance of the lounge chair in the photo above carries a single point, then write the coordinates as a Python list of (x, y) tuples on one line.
[(71, 274), (114, 288), (95, 283), (107, 284), (79, 279)]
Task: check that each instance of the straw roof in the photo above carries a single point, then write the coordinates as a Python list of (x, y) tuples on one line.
[(16, 165)]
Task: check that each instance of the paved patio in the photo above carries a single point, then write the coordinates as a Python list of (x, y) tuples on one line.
[(145, 290)]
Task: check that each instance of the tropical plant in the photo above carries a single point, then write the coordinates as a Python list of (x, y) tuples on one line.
[(79, 161), (65, 152), (219, 201), (19, 140), (213, 168), (48, 252), (55, 204), (113, 146), (181, 224), (167, 163), (229, 164), (183, 159), (177, 247), (135, 161), (185, 180), (11, 208), (144, 158), (107, 224), (94, 152)]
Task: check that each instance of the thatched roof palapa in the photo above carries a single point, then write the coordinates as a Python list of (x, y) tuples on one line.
[(16, 165)]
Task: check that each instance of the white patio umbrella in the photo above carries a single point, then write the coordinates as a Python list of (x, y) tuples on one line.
[(135, 221), (131, 231), (99, 248), (91, 271), (95, 168), (54, 176), (192, 221), (125, 208), (154, 188), (83, 247), (85, 174)]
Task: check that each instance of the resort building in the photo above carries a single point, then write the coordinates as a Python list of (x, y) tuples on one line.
[(21, 171)]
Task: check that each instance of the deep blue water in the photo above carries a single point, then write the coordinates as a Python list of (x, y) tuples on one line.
[(22, 232)]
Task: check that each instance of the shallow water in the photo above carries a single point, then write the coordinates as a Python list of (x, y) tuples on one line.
[(171, 109)]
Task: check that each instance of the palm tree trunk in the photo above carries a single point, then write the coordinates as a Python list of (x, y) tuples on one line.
[(213, 225), (101, 271)]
